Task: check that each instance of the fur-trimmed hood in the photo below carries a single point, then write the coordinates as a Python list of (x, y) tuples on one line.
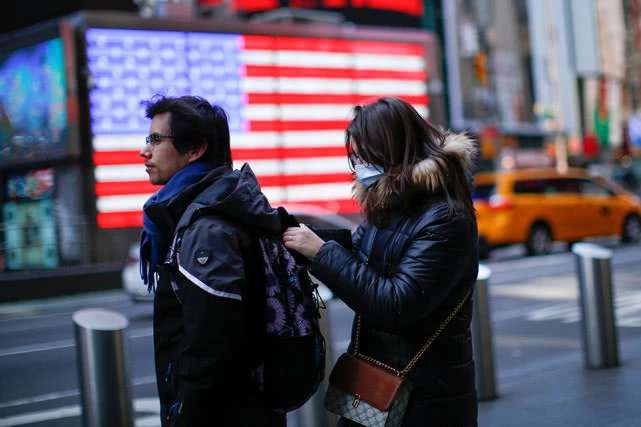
[(429, 174)]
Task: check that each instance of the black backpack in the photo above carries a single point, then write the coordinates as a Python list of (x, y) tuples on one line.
[(294, 348), (289, 364)]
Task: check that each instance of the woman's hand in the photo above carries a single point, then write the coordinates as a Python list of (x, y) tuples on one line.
[(302, 240)]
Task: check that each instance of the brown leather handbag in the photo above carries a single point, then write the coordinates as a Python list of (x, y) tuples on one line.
[(369, 392)]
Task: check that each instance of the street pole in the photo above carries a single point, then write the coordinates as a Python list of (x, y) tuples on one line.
[(482, 338), (600, 342), (104, 385)]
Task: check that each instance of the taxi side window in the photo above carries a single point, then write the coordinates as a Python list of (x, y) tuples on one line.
[(483, 191), (591, 188), (565, 186), (547, 186), (530, 186)]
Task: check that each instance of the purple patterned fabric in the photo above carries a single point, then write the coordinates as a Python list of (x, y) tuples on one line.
[(294, 354), (290, 308)]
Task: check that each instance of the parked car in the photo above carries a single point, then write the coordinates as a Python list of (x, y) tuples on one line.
[(535, 207), (310, 215), (131, 281)]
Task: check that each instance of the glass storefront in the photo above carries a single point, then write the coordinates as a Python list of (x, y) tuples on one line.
[(489, 62)]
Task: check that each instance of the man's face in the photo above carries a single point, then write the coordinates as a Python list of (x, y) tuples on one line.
[(162, 160)]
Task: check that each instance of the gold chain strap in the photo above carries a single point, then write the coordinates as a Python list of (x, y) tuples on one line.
[(367, 358), (418, 355)]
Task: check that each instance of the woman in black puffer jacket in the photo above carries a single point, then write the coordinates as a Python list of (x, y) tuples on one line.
[(414, 259)]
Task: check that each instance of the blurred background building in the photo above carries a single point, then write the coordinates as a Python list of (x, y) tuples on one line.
[(537, 82)]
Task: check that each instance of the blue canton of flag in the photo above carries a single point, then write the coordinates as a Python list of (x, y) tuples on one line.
[(165, 63)]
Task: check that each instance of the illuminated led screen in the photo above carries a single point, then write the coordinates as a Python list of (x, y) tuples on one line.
[(289, 100), (33, 112), (30, 234), (32, 185), (411, 7)]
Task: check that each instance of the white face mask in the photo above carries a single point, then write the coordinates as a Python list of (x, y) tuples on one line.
[(368, 175)]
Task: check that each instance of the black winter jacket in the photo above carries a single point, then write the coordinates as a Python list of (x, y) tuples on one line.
[(404, 279), (208, 322)]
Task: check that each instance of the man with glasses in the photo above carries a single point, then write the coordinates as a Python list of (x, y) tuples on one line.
[(196, 257)]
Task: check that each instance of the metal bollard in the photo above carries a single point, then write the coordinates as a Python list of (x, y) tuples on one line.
[(600, 343), (313, 413), (104, 385), (482, 338)]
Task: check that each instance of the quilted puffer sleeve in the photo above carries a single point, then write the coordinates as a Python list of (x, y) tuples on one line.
[(424, 276)]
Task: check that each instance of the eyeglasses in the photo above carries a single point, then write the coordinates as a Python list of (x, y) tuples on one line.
[(353, 156), (354, 159), (156, 138)]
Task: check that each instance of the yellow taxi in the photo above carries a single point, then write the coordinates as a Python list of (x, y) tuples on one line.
[(538, 206)]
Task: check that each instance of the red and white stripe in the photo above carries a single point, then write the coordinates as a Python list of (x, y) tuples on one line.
[(300, 96)]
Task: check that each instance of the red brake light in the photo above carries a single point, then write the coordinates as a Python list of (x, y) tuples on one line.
[(498, 202)]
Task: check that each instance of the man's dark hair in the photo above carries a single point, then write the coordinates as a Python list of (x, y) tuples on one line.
[(194, 122)]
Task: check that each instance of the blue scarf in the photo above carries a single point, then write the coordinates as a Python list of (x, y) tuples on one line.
[(153, 242)]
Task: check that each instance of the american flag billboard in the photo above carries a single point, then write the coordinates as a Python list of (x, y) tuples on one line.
[(288, 98)]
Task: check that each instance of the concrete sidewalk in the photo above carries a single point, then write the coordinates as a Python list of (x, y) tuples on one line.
[(564, 393)]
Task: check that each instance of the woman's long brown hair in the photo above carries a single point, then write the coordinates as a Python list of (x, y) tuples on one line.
[(391, 133)]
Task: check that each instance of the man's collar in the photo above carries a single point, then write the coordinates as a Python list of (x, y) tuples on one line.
[(167, 214)]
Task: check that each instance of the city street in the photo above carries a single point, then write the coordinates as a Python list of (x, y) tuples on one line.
[(137, 132), (535, 323)]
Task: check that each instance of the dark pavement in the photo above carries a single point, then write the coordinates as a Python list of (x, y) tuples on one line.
[(540, 369), (562, 392), (535, 318)]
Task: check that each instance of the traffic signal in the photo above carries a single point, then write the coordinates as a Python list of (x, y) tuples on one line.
[(480, 68)]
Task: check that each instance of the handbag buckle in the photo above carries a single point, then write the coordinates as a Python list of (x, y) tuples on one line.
[(357, 400)]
